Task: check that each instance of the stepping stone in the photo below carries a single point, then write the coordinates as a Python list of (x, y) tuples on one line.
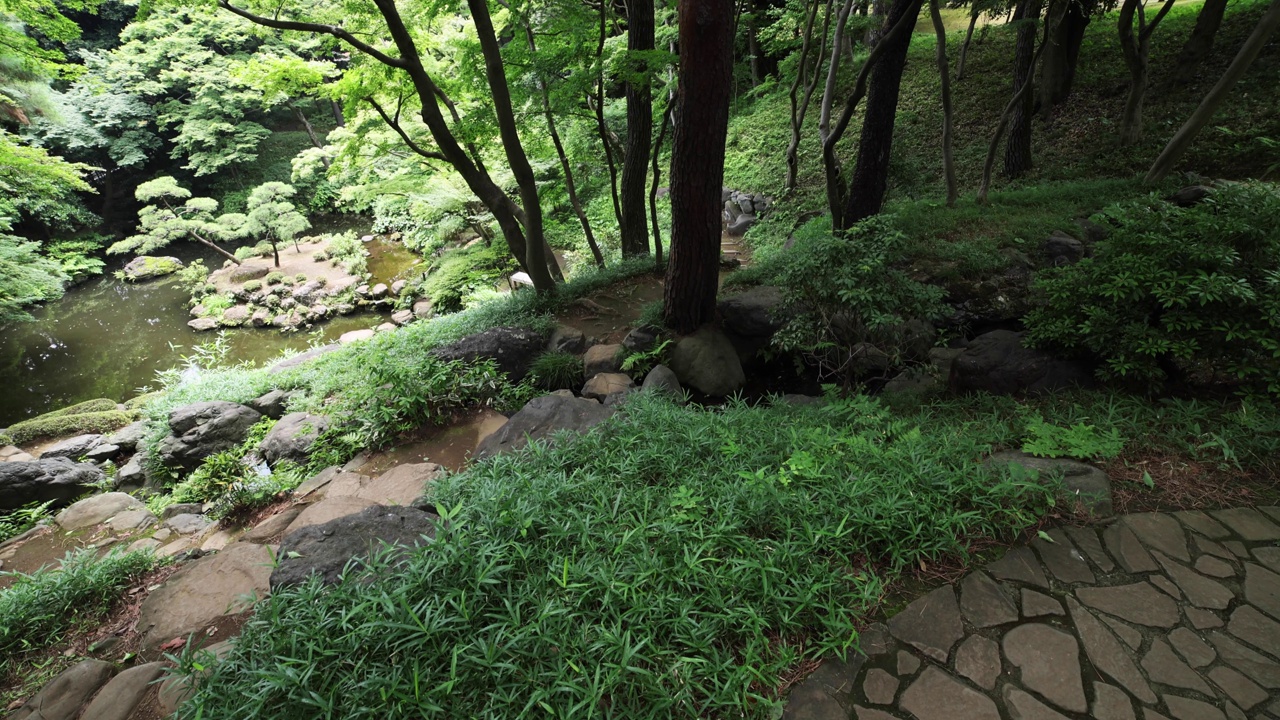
[(1087, 540), (187, 523), (1213, 567), (97, 509), (144, 544), (1022, 706), (1203, 524), (1192, 648), (1138, 603), (203, 592), (875, 640), (1126, 632), (1188, 709), (1257, 668), (1274, 512), (935, 695), (979, 660), (1063, 559), (1260, 631), (1050, 663), (861, 713), (824, 695), (1036, 605), (879, 687), (1106, 653), (1163, 666), (1125, 547), (1249, 524), (1019, 564), (931, 624), (1209, 547), (317, 481), (1111, 703), (1236, 547), (1200, 590), (273, 526), (908, 664), (1202, 619), (1262, 589), (328, 509), (131, 520), (983, 602), (1166, 586), (1238, 687), (65, 695), (1160, 532), (118, 698), (1269, 556)]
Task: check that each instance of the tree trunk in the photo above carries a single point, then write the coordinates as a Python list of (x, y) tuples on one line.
[(944, 74), (635, 168), (871, 174), (1003, 123), (601, 127), (338, 119), (1200, 42), (653, 189), (1017, 153), (1249, 51), (311, 132), (697, 162), (1058, 66), (968, 38), (809, 80), (275, 252), (1135, 49), (829, 90)]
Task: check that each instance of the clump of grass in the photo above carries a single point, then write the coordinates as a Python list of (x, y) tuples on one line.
[(37, 610), (556, 370), (673, 563)]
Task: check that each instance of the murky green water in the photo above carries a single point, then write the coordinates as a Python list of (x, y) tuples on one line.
[(107, 338)]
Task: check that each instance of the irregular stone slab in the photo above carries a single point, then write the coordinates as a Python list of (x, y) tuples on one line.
[(1260, 631), (879, 687), (875, 640), (1274, 512), (131, 520), (1022, 706), (102, 453), (326, 549), (1249, 524), (1200, 590), (983, 603), (1188, 709), (1238, 687), (1063, 559), (1203, 524), (542, 417), (204, 591), (97, 510), (316, 482), (1087, 540), (217, 541), (187, 523), (72, 448), (177, 547), (935, 695), (1036, 605), (1050, 663), (1202, 619), (1194, 650), (346, 483), (824, 695), (1138, 602), (1019, 564), (1160, 532), (1111, 703), (931, 624), (1256, 667), (1163, 666), (117, 700), (1269, 556), (64, 696), (1213, 567), (1262, 589), (401, 485), (1127, 633), (1127, 550), (1106, 654), (328, 509), (861, 713), (908, 664), (1166, 586), (144, 544), (1080, 481), (273, 526), (1205, 546), (979, 660)]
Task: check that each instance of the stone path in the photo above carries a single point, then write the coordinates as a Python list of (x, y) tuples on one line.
[(1157, 616)]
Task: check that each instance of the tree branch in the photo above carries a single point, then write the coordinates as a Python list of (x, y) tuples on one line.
[(394, 124), (333, 30)]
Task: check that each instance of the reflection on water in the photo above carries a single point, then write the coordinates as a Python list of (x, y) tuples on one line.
[(107, 338)]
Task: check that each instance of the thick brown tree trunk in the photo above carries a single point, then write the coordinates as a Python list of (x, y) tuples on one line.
[(635, 169), (697, 162), (1200, 42), (1017, 153), (871, 174), (1062, 54)]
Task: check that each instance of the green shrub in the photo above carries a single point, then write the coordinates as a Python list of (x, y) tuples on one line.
[(459, 273), (138, 402), (80, 408), (274, 277), (39, 608), (16, 522), (217, 304), (245, 252), (1080, 440), (1175, 293), (322, 281), (252, 285), (556, 370), (47, 426), (300, 278)]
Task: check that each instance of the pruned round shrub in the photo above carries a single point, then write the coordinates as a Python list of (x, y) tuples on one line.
[(300, 277), (253, 286), (274, 277), (556, 370), (1175, 293)]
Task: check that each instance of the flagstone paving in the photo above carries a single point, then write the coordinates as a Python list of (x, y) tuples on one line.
[(1157, 616)]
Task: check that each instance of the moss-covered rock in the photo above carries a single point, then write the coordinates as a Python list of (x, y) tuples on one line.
[(147, 267), (52, 425)]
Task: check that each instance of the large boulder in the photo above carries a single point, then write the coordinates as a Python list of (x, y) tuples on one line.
[(998, 363), (292, 437), (273, 404), (707, 362), (601, 359), (127, 437), (54, 479), (513, 349), (1061, 249), (205, 591), (97, 510), (245, 272), (753, 313), (118, 699), (202, 429), (131, 475), (1084, 483), (74, 448), (353, 336), (66, 695), (540, 418), (146, 267), (662, 380), (326, 549)]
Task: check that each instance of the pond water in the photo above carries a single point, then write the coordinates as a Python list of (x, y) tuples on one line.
[(107, 338)]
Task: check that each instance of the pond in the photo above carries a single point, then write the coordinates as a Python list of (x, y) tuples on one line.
[(107, 338)]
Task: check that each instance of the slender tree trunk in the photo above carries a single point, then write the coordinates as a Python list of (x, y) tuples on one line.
[(1017, 99), (601, 126), (311, 131), (1249, 52), (1062, 54), (275, 252), (1135, 46), (653, 188), (753, 48), (634, 229), (829, 91), (338, 119), (697, 162), (974, 13), (218, 249), (1017, 153), (944, 74), (871, 173), (809, 80), (1200, 42)]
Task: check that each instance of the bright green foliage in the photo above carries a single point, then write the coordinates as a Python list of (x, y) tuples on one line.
[(99, 120), (232, 484), (37, 609), (1193, 291), (164, 220), (26, 277), (46, 426), (456, 275), (35, 185), (271, 216), (671, 564), (638, 364), (556, 370), (16, 522), (1080, 441)]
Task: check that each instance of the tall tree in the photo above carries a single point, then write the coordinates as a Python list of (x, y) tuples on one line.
[(1200, 41), (635, 164), (944, 74), (1017, 153), (1135, 44), (1062, 54), (807, 74), (697, 162)]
